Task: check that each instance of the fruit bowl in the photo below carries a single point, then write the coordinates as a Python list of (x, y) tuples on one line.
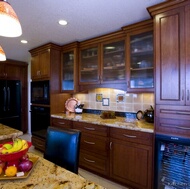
[(15, 155)]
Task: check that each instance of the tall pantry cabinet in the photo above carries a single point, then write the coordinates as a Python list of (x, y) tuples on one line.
[(172, 62)]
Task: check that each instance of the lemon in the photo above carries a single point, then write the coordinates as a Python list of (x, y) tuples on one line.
[(11, 171)]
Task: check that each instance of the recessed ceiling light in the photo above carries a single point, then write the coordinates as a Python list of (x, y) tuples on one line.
[(24, 41), (63, 22)]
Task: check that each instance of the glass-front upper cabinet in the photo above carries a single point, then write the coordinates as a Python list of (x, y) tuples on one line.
[(141, 74), (68, 71), (113, 64), (89, 71), (69, 68)]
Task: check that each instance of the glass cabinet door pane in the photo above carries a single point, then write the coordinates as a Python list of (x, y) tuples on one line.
[(114, 61), (68, 71), (141, 61), (89, 65)]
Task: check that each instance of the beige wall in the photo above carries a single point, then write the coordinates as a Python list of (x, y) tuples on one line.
[(131, 103)]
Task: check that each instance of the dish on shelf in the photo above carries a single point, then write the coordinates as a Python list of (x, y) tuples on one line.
[(70, 104), (26, 174)]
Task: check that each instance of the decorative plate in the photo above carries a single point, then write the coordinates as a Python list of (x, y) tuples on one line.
[(139, 115), (26, 174), (70, 104)]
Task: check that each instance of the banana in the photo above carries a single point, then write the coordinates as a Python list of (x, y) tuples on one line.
[(7, 146), (17, 145), (24, 144)]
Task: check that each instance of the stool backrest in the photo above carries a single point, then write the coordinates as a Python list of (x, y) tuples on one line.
[(62, 147)]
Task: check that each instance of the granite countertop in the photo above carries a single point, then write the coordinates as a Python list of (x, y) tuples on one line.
[(8, 132), (119, 122), (47, 175)]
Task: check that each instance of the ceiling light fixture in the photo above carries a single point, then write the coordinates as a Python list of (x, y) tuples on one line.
[(2, 54), (10, 25), (24, 41), (63, 22)]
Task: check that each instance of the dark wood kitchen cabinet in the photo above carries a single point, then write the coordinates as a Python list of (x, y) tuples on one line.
[(131, 158), (140, 59), (94, 147), (102, 62), (69, 68), (10, 71), (45, 62), (172, 64), (61, 123), (39, 143)]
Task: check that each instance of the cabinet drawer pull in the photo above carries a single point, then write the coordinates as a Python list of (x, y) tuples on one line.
[(178, 127), (91, 161), (182, 95), (187, 95), (185, 128), (61, 123), (90, 128), (110, 145), (183, 113), (175, 112), (129, 136), (89, 142)]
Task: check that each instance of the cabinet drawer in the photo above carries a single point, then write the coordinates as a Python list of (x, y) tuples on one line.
[(94, 144), (91, 128), (132, 136), (173, 112), (39, 143), (61, 122), (173, 126), (94, 163)]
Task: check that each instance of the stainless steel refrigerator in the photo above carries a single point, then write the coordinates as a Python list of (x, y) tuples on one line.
[(10, 103)]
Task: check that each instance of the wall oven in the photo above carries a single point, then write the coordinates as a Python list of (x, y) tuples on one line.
[(40, 92), (40, 120), (172, 162)]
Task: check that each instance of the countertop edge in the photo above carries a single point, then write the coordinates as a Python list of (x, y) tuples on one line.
[(137, 125)]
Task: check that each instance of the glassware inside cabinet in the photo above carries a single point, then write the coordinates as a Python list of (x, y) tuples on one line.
[(68, 71), (114, 61), (141, 61), (89, 65)]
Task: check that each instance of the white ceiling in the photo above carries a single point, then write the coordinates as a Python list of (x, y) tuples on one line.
[(86, 19)]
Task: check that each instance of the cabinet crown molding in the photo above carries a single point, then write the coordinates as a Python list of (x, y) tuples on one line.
[(167, 5)]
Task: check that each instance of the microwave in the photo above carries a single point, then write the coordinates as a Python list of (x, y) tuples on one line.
[(40, 92)]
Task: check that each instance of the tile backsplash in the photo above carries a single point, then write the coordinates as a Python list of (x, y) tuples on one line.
[(115, 100)]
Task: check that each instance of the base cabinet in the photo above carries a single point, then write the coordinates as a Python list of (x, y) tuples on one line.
[(122, 155), (39, 143), (131, 158), (94, 145), (130, 164)]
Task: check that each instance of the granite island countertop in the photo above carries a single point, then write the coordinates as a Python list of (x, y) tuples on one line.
[(47, 175), (7, 132), (119, 122)]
